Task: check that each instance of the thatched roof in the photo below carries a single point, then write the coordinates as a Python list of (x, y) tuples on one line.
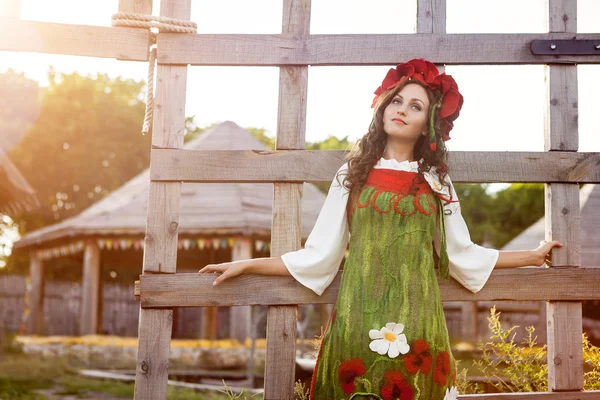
[(206, 208), (15, 193), (589, 202)]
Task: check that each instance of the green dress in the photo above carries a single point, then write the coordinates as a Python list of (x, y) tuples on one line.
[(387, 337)]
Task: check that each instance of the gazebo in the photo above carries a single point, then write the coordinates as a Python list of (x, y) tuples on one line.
[(218, 222), (15, 193)]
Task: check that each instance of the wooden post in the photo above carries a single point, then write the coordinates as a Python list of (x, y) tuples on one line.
[(240, 318), (565, 359), (88, 317), (286, 231), (210, 313), (160, 252), (136, 6), (36, 295)]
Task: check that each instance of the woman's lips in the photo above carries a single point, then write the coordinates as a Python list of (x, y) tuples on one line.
[(399, 121)]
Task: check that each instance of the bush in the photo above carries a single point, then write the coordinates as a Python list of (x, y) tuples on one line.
[(521, 367)]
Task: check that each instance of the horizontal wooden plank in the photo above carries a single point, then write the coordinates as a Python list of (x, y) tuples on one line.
[(587, 395), (387, 49), (321, 165), (193, 290), (76, 40)]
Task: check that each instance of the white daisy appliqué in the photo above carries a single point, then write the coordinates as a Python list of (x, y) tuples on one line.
[(451, 393), (389, 339)]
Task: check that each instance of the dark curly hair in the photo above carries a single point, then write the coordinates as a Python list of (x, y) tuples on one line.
[(369, 149)]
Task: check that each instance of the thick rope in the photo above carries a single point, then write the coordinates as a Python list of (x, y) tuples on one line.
[(163, 24)]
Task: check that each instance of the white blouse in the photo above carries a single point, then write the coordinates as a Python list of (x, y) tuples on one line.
[(316, 265)]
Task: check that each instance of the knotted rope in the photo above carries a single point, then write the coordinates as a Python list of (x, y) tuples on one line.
[(162, 24)]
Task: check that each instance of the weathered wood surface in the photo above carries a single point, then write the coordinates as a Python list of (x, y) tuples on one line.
[(136, 6), (286, 231), (431, 16), (372, 49), (321, 165), (160, 252), (36, 295), (588, 395), (76, 40), (564, 319), (91, 290), (194, 290)]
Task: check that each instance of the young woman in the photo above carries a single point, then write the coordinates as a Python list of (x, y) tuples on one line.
[(395, 204)]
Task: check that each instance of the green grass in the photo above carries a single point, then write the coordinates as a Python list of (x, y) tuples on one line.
[(21, 375)]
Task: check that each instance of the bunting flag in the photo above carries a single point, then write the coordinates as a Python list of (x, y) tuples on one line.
[(115, 244)]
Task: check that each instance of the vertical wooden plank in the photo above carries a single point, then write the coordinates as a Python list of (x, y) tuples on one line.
[(36, 295), (160, 251), (240, 318), (431, 16), (136, 6), (88, 317), (564, 321), (286, 226)]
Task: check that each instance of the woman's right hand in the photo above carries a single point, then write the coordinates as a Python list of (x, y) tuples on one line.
[(227, 270)]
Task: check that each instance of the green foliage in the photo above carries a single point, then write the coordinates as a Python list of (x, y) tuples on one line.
[(301, 391), (516, 368), (231, 394), (515, 209), (521, 367), (19, 106)]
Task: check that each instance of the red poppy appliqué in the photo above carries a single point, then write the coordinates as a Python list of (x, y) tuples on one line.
[(442, 368), (419, 359), (348, 371), (396, 387)]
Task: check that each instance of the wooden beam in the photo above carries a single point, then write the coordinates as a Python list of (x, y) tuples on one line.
[(564, 319), (196, 290), (88, 316), (372, 49), (36, 295), (160, 251), (576, 395), (321, 165), (286, 232), (431, 16), (76, 40)]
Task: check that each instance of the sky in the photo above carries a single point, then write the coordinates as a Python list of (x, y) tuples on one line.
[(504, 105)]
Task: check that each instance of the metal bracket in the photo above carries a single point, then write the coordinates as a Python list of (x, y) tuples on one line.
[(579, 47)]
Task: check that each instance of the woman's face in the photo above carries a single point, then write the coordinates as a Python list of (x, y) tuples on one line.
[(406, 115)]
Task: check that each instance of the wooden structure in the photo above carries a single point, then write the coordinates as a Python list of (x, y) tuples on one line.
[(219, 222), (15, 193), (560, 166)]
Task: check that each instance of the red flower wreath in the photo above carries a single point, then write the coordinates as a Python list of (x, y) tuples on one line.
[(426, 72), (349, 370), (396, 387), (419, 359), (442, 368)]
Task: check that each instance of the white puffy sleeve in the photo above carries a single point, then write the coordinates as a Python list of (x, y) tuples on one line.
[(316, 265), (470, 264)]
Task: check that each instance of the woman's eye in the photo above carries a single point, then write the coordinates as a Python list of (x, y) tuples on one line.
[(416, 107)]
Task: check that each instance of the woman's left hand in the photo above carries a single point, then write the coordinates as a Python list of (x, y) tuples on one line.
[(542, 253)]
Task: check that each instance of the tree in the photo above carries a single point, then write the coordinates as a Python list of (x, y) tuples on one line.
[(85, 143)]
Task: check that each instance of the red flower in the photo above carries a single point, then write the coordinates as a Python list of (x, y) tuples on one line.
[(417, 69), (452, 102), (419, 359), (426, 72), (349, 370), (396, 387), (442, 368)]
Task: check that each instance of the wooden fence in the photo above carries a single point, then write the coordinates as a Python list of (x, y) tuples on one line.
[(561, 167)]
